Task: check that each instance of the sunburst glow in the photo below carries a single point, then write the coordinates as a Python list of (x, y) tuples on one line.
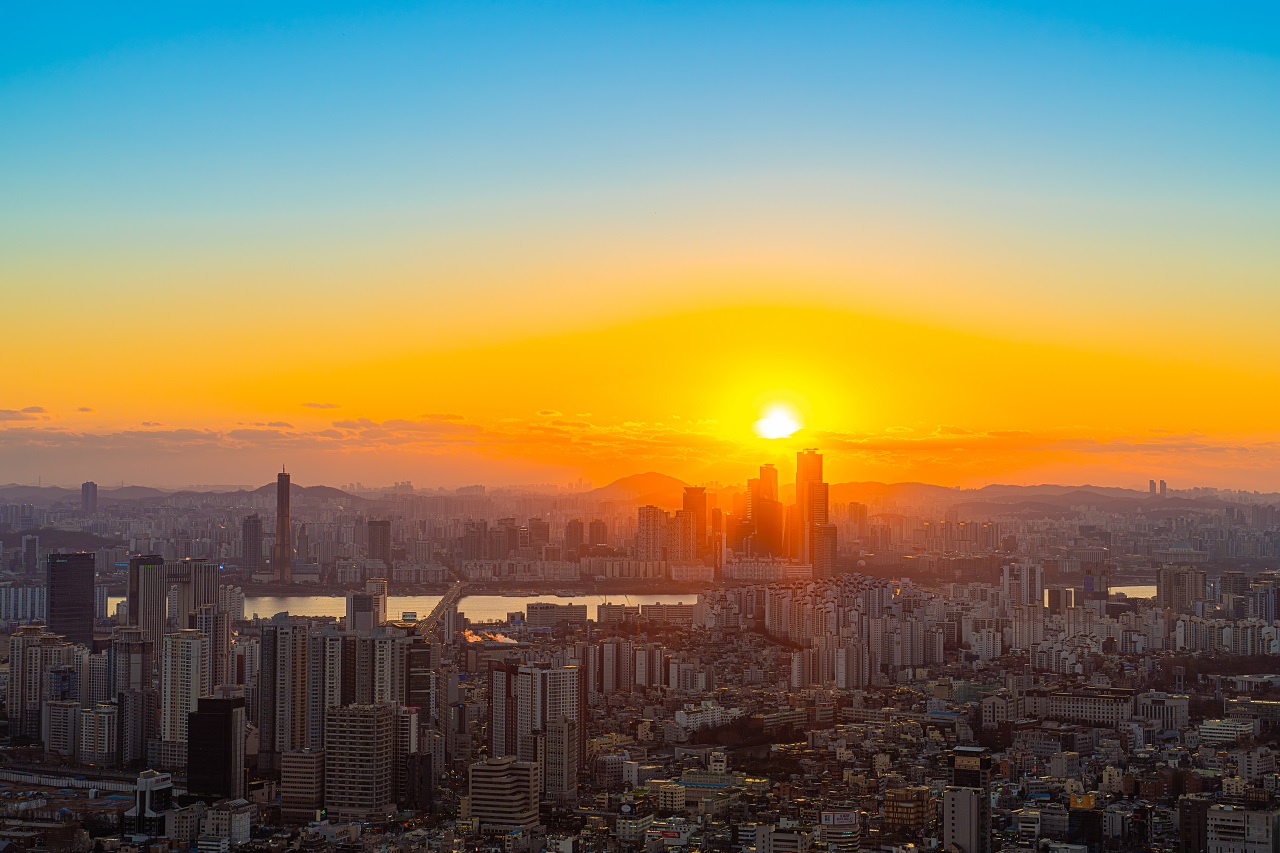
[(778, 422)]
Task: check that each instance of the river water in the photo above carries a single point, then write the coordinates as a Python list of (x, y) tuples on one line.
[(477, 608), (481, 608)]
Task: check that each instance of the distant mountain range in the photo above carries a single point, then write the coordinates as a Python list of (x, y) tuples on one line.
[(667, 492), (46, 495)]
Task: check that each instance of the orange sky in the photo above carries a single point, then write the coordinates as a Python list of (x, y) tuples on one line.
[(518, 243), (884, 399)]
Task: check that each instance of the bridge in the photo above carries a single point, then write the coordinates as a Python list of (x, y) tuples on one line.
[(452, 597)]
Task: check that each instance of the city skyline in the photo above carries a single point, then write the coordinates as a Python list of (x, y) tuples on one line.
[(966, 244)]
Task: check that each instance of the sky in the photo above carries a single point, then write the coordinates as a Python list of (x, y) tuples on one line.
[(493, 242)]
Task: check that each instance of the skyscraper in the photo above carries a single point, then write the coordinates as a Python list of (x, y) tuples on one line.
[(811, 502), (215, 745), (153, 583), (695, 502), (251, 542), (524, 702), (574, 533), (282, 552), (380, 541), (69, 609), (183, 682), (89, 498)]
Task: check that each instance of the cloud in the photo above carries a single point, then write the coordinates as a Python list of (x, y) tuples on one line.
[(280, 424), (152, 423), (321, 405), (441, 417), (899, 429), (84, 409), (35, 410), (549, 413)]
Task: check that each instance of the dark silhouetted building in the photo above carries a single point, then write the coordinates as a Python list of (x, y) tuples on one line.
[(215, 745), (69, 580), (282, 552), (251, 542), (380, 541), (89, 498)]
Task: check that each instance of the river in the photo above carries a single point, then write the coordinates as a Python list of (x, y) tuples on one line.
[(477, 608)]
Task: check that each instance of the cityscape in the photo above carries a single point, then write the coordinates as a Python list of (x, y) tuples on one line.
[(639, 427)]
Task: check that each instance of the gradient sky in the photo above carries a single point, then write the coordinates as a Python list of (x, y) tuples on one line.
[(505, 242)]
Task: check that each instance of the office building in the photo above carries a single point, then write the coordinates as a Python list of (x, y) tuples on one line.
[(504, 794), (69, 579), (359, 764), (89, 498), (216, 744), (301, 785), (379, 533), (153, 799), (251, 542)]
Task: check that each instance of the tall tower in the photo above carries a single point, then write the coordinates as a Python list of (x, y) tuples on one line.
[(282, 553), (69, 582)]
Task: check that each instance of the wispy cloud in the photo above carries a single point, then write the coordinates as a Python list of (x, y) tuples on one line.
[(321, 405)]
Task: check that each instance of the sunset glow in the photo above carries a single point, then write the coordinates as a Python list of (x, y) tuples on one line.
[(778, 422), (353, 266)]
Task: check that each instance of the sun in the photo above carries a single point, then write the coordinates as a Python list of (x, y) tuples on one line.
[(778, 422)]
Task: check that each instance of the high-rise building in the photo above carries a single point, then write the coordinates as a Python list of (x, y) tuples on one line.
[(359, 762), (69, 581), (89, 498), (33, 652), (282, 694), (504, 794), (524, 701), (811, 503), (651, 530), (574, 536), (183, 680), (282, 551), (379, 532), (301, 785), (152, 579), (251, 542), (1178, 588), (695, 502), (598, 533), (215, 624), (966, 805), (216, 743)]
